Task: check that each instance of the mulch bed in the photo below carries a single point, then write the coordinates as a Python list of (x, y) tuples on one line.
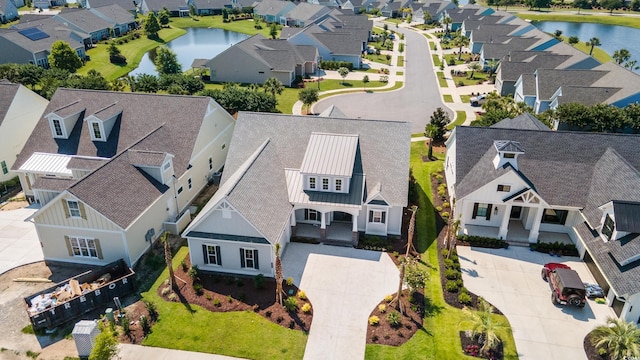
[(133, 313), (471, 347), (411, 321), (591, 351), (229, 292)]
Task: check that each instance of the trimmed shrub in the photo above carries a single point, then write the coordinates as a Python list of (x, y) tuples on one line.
[(388, 298), (464, 298), (216, 303), (291, 304), (302, 295), (452, 286), (197, 288), (289, 281), (258, 281), (445, 205), (374, 320), (394, 319), (382, 308), (306, 308), (444, 253), (335, 65), (452, 274), (438, 208)]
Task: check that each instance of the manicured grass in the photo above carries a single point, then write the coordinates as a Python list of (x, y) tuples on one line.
[(477, 77), (598, 53), (436, 59), (465, 98), (400, 60), (394, 21), (381, 59), (241, 26), (439, 339), (399, 72), (133, 50), (369, 70), (428, 36), (630, 21), (447, 98), (240, 334), (441, 80), (396, 86), (461, 117), (417, 135), (454, 57)]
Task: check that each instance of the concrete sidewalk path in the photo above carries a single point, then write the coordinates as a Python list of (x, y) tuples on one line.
[(136, 352)]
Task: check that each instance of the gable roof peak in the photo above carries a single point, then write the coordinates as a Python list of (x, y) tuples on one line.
[(508, 146)]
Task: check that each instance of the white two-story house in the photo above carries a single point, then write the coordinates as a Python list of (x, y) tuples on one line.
[(114, 170), (322, 178)]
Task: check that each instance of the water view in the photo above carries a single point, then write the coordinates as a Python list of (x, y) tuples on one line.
[(197, 43), (612, 37)]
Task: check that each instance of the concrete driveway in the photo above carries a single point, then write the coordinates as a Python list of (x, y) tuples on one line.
[(19, 244), (344, 285), (415, 102), (510, 280)]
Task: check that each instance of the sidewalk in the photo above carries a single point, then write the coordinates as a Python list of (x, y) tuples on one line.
[(135, 352)]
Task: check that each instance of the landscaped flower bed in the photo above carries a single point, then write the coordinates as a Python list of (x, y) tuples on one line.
[(472, 347), (222, 292), (388, 327), (555, 248), (483, 242)]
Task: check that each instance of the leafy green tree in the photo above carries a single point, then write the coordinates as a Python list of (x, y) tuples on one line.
[(166, 61), (606, 118), (308, 96), (631, 65), (180, 84), (93, 81), (620, 338), (164, 16), (506, 3), (632, 113), (274, 86), (558, 34), (485, 325), (498, 108), (29, 74), (492, 65), (621, 56), (460, 41), (593, 42), (343, 71), (51, 80), (635, 5), (365, 80), (273, 31), (151, 25), (439, 119), (233, 98), (225, 15), (581, 4), (474, 66), (146, 83), (611, 5), (192, 11), (113, 50), (573, 40), (63, 57), (446, 22), (10, 72), (106, 345)]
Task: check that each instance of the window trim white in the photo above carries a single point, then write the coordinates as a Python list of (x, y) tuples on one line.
[(166, 166), (215, 254), (92, 128), (376, 217), (60, 125), (72, 209), (245, 251), (79, 247), (313, 183), (190, 184)]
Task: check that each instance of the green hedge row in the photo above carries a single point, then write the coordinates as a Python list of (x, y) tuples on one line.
[(335, 65), (484, 242)]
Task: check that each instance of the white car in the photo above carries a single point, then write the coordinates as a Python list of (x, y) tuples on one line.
[(478, 100)]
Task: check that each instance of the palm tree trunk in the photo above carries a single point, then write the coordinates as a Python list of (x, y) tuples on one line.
[(279, 276), (168, 258)]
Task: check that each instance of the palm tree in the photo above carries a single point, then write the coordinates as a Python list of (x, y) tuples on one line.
[(460, 41), (492, 65), (446, 21), (274, 86), (168, 259), (484, 325), (631, 65), (620, 338), (474, 66), (279, 276), (593, 42), (621, 55)]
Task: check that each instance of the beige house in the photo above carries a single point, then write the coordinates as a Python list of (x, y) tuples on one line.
[(114, 170), (20, 110)]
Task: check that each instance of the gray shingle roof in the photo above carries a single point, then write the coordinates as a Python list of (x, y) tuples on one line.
[(627, 214), (500, 50), (618, 77), (333, 112), (559, 179), (128, 5), (116, 13), (52, 183), (49, 26), (83, 19), (528, 84), (508, 146), (279, 54), (307, 12), (510, 70), (271, 7), (146, 158), (340, 43), (586, 95), (384, 145), (549, 80), (525, 121), (8, 92), (171, 5), (83, 163)]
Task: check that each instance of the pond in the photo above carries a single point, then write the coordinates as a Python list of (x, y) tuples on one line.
[(197, 43), (612, 37)]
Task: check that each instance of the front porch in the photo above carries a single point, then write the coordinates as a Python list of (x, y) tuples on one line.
[(338, 233), (517, 234)]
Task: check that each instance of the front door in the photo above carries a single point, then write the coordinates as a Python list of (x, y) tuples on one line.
[(341, 216), (516, 212)]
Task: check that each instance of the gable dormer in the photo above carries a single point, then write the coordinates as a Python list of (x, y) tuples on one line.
[(507, 153), (619, 219), (102, 121), (157, 164), (63, 119), (329, 161)]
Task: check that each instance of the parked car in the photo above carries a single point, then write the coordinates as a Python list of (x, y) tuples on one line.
[(478, 100), (547, 268), (593, 291), (567, 287)]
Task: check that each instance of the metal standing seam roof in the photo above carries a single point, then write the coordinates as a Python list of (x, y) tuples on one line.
[(47, 164), (330, 154), (627, 215)]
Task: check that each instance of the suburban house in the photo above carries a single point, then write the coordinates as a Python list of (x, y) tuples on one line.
[(257, 59), (118, 19), (459, 15), (30, 42), (129, 5), (273, 11), (85, 21), (522, 182), (8, 11), (305, 14), (45, 4), (177, 8), (112, 171), (210, 7), (20, 111), (287, 176)]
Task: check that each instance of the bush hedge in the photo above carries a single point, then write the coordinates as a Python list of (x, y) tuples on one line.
[(556, 248), (483, 242), (335, 65)]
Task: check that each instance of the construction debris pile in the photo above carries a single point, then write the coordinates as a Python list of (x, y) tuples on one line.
[(64, 293)]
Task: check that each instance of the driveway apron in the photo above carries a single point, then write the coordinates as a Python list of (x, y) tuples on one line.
[(344, 285), (510, 279), (19, 244)]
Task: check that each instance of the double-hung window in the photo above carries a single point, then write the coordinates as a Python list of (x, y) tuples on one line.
[(74, 208), (312, 183), (338, 184), (83, 247), (377, 216), (249, 258), (325, 184), (212, 254)]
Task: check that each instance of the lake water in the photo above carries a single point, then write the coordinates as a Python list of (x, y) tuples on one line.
[(612, 37), (197, 43)]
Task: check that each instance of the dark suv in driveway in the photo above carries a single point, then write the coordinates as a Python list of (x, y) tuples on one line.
[(566, 287)]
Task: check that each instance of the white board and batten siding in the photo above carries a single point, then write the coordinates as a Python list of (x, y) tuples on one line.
[(56, 214), (230, 256)]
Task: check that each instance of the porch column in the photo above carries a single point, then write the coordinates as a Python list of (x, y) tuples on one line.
[(293, 223), (354, 230), (504, 225), (535, 229), (323, 227)]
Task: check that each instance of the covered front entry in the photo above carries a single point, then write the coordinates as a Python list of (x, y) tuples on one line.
[(332, 227)]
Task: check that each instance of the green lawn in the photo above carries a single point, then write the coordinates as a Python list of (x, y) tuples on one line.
[(382, 59), (436, 60), (369, 70), (400, 60), (465, 98), (399, 72), (441, 80), (598, 53), (447, 98), (630, 21), (439, 339), (240, 334), (463, 58), (133, 50), (241, 26), (477, 77), (461, 117)]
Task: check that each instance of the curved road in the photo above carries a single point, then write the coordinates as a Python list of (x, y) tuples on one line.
[(415, 102)]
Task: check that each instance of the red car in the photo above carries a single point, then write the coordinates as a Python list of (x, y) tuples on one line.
[(549, 267)]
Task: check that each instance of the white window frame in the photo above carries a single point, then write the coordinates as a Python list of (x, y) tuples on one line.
[(338, 185), (166, 165), (99, 135), (249, 251), (505, 188), (312, 183), (55, 129), (210, 254), (377, 217), (83, 247), (190, 184), (74, 209), (316, 213), (486, 210)]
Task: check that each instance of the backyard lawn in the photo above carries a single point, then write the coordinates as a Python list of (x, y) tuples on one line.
[(440, 337), (240, 334), (382, 59)]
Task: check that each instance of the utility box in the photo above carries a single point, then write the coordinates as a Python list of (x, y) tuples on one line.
[(84, 334)]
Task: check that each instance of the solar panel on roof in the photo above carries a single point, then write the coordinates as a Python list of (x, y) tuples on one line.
[(33, 34)]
